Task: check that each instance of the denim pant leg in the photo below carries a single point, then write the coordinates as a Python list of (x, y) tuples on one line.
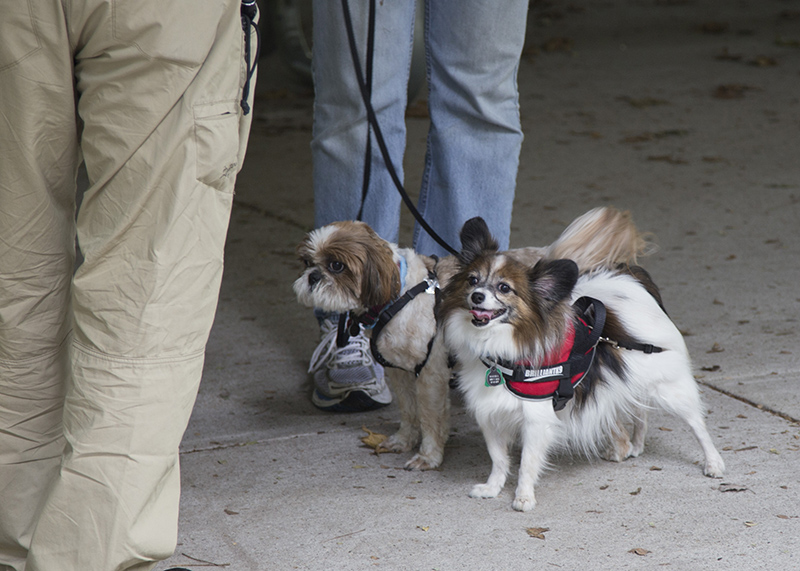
[(473, 50), (340, 124)]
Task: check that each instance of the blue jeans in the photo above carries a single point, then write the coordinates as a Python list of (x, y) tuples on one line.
[(472, 51)]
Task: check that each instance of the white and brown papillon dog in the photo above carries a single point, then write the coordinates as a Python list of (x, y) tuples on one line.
[(348, 267), (562, 354)]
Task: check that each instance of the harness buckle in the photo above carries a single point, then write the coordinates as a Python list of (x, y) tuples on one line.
[(433, 285)]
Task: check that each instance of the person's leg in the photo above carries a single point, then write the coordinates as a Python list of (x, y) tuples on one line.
[(340, 118), (38, 165), (159, 88), (348, 378), (473, 50)]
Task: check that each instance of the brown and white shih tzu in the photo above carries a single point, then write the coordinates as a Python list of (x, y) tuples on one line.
[(555, 355), (350, 268)]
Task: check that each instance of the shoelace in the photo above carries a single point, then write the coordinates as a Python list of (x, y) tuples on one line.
[(329, 354)]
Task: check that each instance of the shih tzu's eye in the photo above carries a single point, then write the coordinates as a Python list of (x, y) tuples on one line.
[(308, 262), (336, 267), (472, 280), (503, 287)]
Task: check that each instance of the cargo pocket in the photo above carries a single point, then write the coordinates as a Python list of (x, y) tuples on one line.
[(18, 32), (216, 133)]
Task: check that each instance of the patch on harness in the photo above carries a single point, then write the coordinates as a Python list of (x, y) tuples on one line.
[(559, 373)]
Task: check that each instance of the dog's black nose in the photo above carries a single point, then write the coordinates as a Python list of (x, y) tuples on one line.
[(477, 297), (313, 278)]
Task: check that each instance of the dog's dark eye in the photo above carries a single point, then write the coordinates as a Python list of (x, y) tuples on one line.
[(503, 287), (472, 280), (308, 262), (336, 267)]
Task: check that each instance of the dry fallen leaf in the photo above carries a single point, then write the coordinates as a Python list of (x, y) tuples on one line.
[(731, 91), (648, 136), (715, 348), (636, 492), (750, 523), (764, 61), (372, 439), (639, 551), (732, 488), (418, 109), (424, 527), (668, 159), (537, 532), (643, 102)]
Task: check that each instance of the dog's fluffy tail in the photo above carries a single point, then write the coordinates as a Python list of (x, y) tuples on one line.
[(604, 237)]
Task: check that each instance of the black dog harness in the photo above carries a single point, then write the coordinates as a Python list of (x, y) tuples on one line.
[(564, 369), (378, 317)]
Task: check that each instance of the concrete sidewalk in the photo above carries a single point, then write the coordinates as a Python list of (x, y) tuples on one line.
[(686, 113)]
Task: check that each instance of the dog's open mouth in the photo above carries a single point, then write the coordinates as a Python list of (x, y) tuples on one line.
[(481, 317)]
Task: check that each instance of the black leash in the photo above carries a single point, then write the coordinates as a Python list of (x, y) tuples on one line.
[(368, 151), (372, 120), (249, 11)]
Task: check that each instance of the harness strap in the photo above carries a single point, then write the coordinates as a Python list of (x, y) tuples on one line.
[(393, 309), (643, 347)]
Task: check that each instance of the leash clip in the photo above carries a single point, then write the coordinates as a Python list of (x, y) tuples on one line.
[(611, 342)]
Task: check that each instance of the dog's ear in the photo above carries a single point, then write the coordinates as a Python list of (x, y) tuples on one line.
[(553, 280), (380, 282), (475, 239)]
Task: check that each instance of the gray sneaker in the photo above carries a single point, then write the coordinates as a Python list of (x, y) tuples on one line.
[(346, 379)]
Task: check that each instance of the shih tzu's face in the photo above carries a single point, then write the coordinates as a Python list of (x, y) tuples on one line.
[(348, 268)]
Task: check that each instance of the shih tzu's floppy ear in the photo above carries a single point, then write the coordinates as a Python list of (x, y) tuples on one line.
[(380, 280), (551, 281), (380, 277), (475, 239)]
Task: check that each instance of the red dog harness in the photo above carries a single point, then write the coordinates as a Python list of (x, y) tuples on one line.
[(562, 370)]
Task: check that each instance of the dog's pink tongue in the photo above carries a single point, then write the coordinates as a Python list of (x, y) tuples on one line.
[(482, 314)]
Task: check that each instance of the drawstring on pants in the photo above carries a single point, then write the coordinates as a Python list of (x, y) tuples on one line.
[(249, 12)]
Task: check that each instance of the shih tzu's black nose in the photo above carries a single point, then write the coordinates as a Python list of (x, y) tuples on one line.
[(314, 278), (477, 297)]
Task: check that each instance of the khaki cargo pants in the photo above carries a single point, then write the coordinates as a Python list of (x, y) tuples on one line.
[(99, 370)]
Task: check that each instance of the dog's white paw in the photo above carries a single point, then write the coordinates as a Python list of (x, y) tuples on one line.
[(618, 452), (524, 503), (484, 491), (714, 468), (613, 455), (421, 462)]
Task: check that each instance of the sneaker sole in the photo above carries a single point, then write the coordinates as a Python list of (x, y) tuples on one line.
[(355, 401)]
